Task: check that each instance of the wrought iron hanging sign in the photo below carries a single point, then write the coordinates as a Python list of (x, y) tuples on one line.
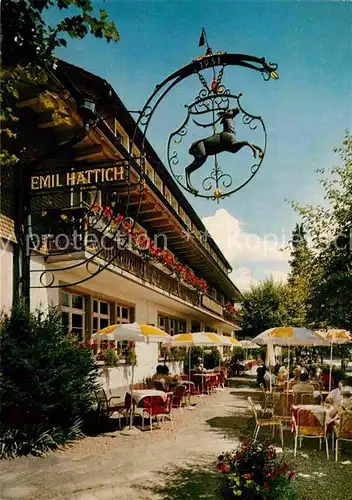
[(216, 111)]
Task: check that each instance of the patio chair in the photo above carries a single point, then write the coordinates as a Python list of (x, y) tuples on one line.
[(155, 406), (267, 403), (342, 430), (282, 408), (159, 385), (184, 377), (108, 407), (178, 397), (265, 422), (308, 425)]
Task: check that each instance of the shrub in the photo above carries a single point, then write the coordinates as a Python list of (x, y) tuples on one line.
[(47, 382), (253, 472), (110, 357), (212, 358)]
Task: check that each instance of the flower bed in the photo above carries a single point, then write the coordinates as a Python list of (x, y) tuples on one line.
[(253, 472)]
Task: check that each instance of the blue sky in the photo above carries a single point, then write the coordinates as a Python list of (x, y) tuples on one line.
[(305, 112)]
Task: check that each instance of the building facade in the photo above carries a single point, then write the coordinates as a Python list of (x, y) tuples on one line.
[(170, 274)]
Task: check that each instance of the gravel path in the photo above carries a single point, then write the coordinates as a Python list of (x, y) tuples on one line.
[(145, 467)]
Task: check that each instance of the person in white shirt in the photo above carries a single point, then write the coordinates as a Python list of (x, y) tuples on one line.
[(334, 396)]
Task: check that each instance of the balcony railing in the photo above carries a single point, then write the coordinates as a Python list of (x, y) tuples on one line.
[(129, 261), (133, 263)]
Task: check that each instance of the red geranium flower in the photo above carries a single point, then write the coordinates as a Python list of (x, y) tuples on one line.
[(247, 476), (267, 486), (291, 475), (222, 467)]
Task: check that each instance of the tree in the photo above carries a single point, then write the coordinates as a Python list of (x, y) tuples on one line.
[(28, 44), (266, 305), (299, 278), (329, 228)]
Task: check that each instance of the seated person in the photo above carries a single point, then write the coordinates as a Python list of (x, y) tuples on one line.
[(296, 377), (282, 375), (162, 375), (334, 397), (198, 367), (158, 375), (303, 385), (313, 374), (345, 403), (326, 380), (267, 377), (261, 370)]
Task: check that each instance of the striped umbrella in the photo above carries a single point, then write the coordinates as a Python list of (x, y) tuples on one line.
[(131, 332), (290, 336), (334, 336), (197, 339)]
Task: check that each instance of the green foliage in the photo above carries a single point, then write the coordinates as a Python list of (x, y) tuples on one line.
[(110, 357), (299, 278), (330, 233), (35, 440), (211, 358), (47, 382), (131, 357), (266, 305), (28, 44)]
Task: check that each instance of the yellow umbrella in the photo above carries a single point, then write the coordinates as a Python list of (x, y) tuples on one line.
[(335, 336), (134, 333)]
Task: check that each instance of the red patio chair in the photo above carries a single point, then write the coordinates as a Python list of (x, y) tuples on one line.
[(155, 406), (178, 396), (184, 377)]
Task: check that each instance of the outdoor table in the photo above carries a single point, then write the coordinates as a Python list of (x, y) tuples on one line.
[(318, 411), (140, 394)]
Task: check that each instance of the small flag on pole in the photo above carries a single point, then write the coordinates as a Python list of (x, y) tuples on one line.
[(202, 38)]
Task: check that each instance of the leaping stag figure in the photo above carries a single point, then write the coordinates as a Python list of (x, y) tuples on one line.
[(218, 143)]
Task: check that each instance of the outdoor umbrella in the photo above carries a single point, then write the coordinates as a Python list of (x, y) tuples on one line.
[(131, 332), (248, 344), (290, 336), (199, 339), (334, 336)]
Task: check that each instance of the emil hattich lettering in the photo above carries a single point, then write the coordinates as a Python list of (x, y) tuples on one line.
[(93, 176)]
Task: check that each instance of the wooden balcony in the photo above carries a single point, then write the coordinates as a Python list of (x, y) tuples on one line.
[(133, 263)]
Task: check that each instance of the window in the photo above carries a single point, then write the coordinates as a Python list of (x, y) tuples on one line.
[(174, 203), (73, 315), (167, 194), (195, 326), (123, 314), (172, 326), (214, 293), (101, 314), (158, 182), (149, 171)]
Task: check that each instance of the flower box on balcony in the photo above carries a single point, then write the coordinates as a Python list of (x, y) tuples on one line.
[(161, 266)]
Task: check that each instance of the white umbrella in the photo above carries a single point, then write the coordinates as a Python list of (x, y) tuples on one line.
[(248, 344), (131, 332), (334, 336), (199, 339), (290, 336)]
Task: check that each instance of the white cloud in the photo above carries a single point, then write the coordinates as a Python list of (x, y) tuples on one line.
[(252, 257), (236, 244), (242, 277)]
